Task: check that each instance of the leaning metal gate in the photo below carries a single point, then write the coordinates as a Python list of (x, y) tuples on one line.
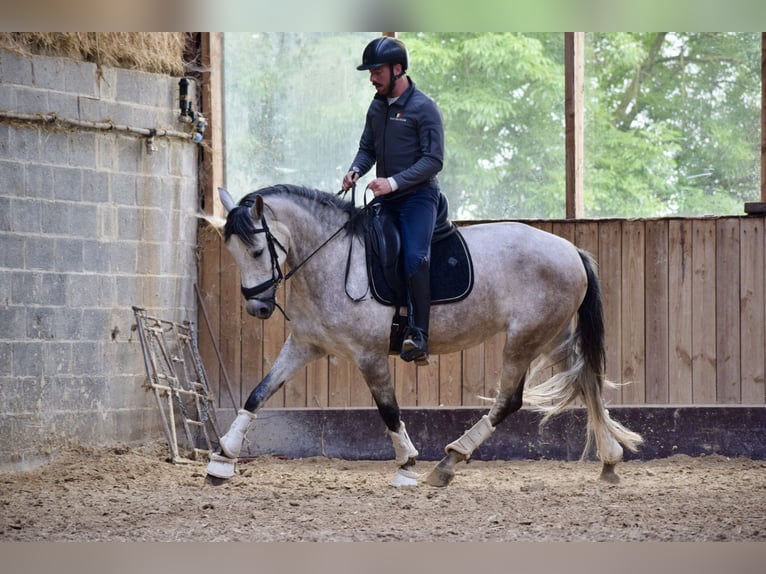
[(176, 375)]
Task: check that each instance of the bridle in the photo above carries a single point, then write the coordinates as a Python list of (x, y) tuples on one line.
[(252, 293), (276, 272)]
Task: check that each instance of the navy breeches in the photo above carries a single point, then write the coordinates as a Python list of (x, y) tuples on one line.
[(415, 210)]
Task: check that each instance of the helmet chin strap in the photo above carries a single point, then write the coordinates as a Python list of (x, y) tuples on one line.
[(392, 83)]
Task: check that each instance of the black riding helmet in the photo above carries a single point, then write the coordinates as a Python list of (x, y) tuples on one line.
[(385, 50)]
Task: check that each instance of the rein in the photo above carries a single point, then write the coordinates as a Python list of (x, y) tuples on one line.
[(276, 273)]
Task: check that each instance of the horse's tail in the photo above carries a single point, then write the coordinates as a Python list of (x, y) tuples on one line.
[(584, 376)]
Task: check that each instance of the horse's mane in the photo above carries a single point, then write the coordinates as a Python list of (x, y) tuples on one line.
[(240, 222)]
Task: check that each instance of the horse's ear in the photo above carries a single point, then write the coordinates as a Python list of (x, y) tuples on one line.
[(257, 210), (226, 199)]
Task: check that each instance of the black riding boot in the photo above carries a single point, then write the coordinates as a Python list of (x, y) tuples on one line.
[(415, 344)]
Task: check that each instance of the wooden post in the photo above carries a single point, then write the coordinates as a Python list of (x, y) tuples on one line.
[(763, 117), (759, 207), (212, 175), (574, 43)]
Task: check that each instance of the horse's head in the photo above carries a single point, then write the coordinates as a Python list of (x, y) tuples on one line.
[(259, 249)]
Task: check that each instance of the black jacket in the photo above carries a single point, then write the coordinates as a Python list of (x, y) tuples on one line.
[(405, 139)]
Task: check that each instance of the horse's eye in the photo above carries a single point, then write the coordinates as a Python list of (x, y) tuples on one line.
[(257, 253)]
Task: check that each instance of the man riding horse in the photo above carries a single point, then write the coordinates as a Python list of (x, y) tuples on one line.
[(404, 138), (538, 289)]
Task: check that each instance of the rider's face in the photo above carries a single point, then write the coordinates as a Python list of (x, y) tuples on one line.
[(380, 77)]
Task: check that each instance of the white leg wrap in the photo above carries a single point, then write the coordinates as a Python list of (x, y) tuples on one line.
[(403, 447), (472, 438), (609, 450), (231, 442), (221, 466), (405, 477)]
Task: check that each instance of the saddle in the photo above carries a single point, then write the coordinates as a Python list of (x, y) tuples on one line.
[(451, 268)]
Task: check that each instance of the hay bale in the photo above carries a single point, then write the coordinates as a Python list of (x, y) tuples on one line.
[(157, 52)]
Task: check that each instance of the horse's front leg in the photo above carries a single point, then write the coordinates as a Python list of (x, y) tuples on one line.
[(291, 359), (378, 378)]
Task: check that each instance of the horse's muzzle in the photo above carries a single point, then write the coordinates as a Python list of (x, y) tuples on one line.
[(261, 299), (259, 308)]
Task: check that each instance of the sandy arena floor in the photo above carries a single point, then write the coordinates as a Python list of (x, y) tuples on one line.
[(127, 494)]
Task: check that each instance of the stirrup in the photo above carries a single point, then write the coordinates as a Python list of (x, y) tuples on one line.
[(415, 348)]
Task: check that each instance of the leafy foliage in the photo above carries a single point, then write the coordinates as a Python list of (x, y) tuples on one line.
[(502, 97), (673, 123)]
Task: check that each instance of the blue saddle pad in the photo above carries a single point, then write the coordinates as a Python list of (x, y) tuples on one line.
[(451, 268)]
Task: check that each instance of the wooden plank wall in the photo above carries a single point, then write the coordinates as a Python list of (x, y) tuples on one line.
[(684, 309)]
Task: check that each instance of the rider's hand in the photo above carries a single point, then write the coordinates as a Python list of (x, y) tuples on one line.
[(380, 186), (349, 180)]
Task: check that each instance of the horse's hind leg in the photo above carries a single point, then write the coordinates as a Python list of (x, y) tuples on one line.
[(461, 449), (378, 378)]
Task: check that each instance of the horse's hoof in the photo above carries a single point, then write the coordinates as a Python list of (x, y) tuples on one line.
[(608, 474), (440, 477), (221, 466), (404, 477), (211, 480)]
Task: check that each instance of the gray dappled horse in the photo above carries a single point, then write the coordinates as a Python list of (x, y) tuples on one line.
[(537, 288)]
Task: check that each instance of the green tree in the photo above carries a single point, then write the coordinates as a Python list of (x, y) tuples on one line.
[(673, 123), (502, 97)]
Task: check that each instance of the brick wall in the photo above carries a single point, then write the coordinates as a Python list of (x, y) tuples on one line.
[(90, 225)]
